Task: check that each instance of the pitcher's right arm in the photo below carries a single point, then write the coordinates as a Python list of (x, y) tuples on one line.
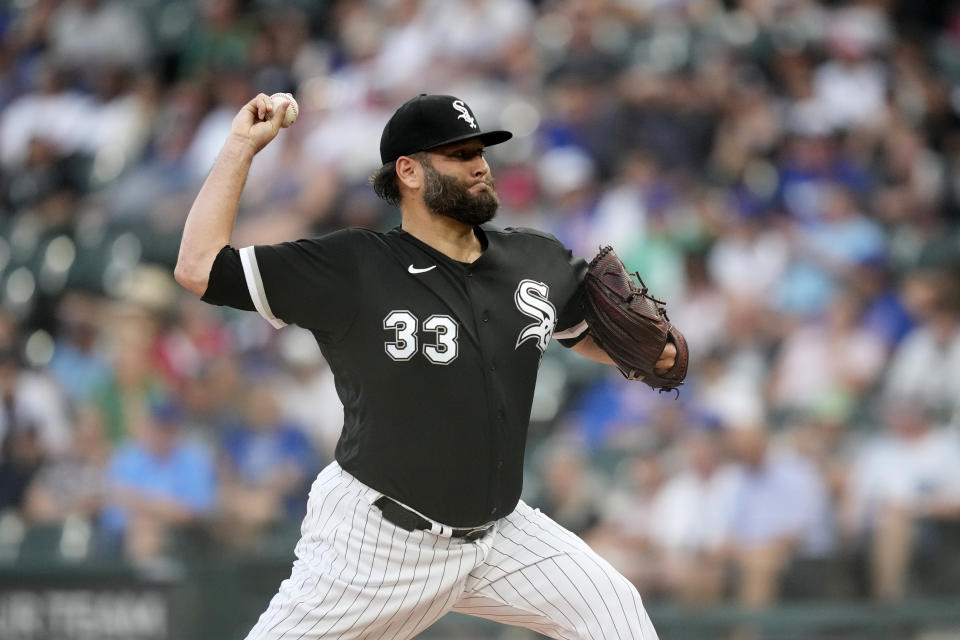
[(210, 222)]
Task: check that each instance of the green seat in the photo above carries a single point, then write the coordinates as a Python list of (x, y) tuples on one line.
[(41, 544)]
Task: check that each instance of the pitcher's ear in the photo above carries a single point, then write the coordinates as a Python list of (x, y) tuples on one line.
[(409, 172)]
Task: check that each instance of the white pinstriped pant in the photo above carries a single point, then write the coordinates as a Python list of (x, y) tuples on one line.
[(358, 576)]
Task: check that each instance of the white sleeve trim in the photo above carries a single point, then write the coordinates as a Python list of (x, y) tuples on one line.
[(248, 258), (572, 332)]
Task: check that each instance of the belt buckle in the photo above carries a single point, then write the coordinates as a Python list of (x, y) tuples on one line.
[(477, 532)]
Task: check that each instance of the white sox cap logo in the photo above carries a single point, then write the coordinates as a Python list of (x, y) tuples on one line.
[(464, 113), (531, 299)]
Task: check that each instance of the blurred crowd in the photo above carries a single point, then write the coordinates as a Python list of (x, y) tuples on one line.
[(785, 172)]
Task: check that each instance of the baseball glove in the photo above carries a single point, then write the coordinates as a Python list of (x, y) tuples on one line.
[(629, 324)]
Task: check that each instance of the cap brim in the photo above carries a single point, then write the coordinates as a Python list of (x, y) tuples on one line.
[(488, 138)]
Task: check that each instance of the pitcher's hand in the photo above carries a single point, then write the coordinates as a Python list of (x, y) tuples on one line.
[(258, 122), (667, 359)]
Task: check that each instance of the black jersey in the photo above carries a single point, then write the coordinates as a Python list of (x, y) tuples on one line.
[(435, 360)]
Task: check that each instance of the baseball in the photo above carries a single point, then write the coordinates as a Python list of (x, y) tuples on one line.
[(292, 111)]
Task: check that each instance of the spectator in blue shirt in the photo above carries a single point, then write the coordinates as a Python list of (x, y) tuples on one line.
[(780, 511), (158, 482), (78, 365), (266, 468)]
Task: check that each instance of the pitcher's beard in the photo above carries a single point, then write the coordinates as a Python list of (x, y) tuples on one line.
[(446, 196)]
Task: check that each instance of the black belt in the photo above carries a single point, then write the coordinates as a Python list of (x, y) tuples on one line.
[(407, 520)]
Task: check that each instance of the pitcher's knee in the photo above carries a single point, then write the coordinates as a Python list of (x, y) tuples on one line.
[(615, 613)]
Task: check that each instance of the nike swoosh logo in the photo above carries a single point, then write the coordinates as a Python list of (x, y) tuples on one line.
[(413, 269)]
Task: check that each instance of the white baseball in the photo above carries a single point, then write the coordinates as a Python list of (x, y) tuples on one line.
[(292, 111)]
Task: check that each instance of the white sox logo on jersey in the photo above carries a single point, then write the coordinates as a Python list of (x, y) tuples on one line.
[(531, 298), (464, 113)]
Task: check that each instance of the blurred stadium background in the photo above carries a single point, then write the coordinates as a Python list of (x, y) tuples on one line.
[(786, 171)]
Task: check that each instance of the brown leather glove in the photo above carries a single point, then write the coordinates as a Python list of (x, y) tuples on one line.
[(629, 324)]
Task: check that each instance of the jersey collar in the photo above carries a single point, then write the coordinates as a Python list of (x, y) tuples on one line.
[(478, 231)]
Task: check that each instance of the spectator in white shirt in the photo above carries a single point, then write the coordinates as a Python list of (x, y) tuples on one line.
[(846, 357), (623, 533), (904, 478), (91, 33), (926, 364), (689, 518), (851, 85)]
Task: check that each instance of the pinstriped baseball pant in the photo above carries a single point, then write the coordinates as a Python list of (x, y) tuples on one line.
[(357, 576)]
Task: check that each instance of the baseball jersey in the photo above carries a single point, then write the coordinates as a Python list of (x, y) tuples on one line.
[(435, 360)]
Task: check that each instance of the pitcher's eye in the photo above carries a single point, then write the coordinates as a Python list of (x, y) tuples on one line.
[(467, 154)]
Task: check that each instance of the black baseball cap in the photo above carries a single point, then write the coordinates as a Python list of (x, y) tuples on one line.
[(429, 121)]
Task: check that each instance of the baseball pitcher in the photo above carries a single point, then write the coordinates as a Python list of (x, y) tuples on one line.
[(434, 332)]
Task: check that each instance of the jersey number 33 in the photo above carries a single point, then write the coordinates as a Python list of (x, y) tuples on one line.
[(405, 339)]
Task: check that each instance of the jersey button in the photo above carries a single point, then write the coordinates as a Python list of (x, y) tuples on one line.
[(501, 414), (499, 464), (485, 317)]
